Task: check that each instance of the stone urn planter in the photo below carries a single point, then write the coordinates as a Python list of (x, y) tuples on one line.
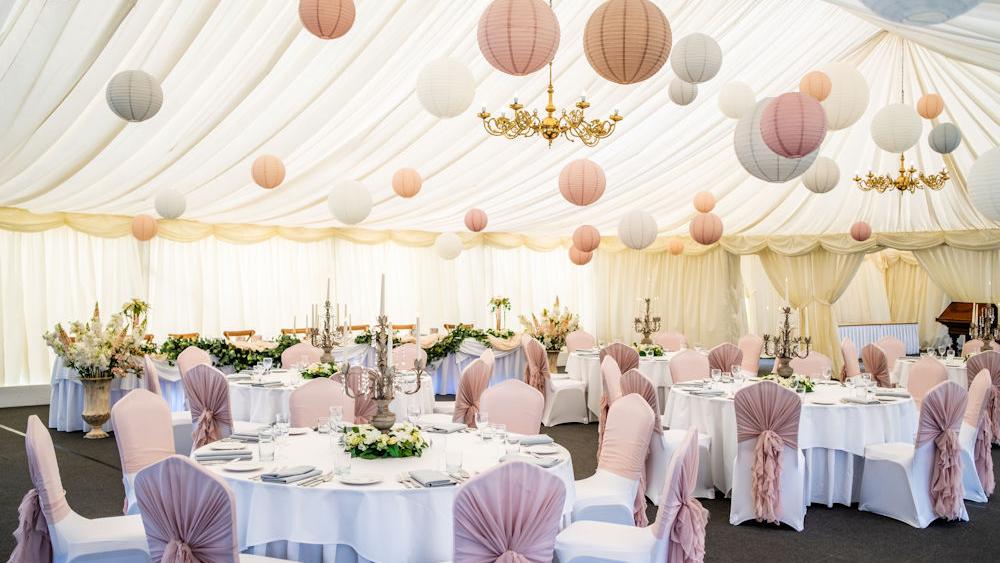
[(96, 405), (553, 359)]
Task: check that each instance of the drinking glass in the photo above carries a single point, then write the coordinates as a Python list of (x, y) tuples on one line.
[(716, 375), (281, 427), (485, 431), (268, 363), (257, 374), (735, 371), (500, 432), (866, 380), (453, 460), (941, 350), (951, 354), (265, 444), (413, 413), (336, 418), (482, 419), (341, 461), (323, 425), (827, 374)]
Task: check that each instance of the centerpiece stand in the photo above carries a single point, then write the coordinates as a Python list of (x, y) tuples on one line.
[(784, 347), (647, 325), (96, 405)]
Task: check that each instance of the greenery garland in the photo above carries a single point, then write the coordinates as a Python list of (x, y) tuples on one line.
[(224, 353)]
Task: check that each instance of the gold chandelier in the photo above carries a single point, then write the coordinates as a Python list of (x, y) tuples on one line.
[(909, 180), (569, 124)]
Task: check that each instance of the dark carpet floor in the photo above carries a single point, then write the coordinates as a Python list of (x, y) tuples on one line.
[(92, 477)]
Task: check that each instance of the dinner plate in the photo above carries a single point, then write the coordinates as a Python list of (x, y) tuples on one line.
[(298, 431), (224, 446), (360, 479), (543, 449), (243, 466), (823, 402)]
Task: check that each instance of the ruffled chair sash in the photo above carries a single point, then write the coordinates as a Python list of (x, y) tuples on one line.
[(681, 517), (208, 395), (151, 380), (876, 364), (626, 356), (724, 356), (977, 416), (536, 366), (474, 381), (940, 417), (634, 382), (32, 533)]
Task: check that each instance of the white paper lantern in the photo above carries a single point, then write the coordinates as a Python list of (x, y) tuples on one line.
[(757, 158), (637, 229), (822, 176), (920, 12), (169, 203), (350, 202), (896, 128), (696, 58), (448, 246), (682, 93), (446, 87), (984, 184), (736, 99), (134, 95), (848, 97), (944, 138)]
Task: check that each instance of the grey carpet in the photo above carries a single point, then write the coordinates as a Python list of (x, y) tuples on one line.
[(92, 478)]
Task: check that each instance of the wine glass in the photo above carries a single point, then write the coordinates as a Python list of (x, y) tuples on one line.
[(951, 354), (942, 350), (716, 375), (735, 371), (268, 364), (413, 413), (336, 418)]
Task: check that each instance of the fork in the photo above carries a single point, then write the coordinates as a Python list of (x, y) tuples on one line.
[(404, 480), (316, 481)]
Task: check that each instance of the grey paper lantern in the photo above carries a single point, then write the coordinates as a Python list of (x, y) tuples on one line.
[(696, 58), (350, 202), (134, 95), (757, 158), (637, 229), (944, 138), (170, 203), (682, 93), (920, 12), (822, 176), (896, 128), (984, 184)]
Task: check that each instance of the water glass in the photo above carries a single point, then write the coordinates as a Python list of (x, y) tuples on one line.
[(257, 374), (265, 445), (453, 460), (735, 371), (951, 354), (482, 419), (866, 380), (486, 432), (413, 413), (341, 461), (827, 374), (500, 432), (268, 363), (281, 427), (716, 375), (323, 425), (336, 418), (942, 350)]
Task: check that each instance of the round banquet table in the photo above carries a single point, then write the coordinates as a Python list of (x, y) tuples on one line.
[(261, 404), (832, 436), (956, 371), (381, 522), (585, 366)]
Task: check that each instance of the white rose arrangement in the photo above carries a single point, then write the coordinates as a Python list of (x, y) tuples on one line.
[(367, 442)]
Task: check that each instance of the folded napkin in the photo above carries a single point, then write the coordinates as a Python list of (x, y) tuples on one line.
[(443, 427), (288, 475), (535, 440), (431, 478), (892, 393), (244, 437), (268, 384), (546, 462), (217, 455), (697, 383), (857, 401), (238, 377), (707, 392)]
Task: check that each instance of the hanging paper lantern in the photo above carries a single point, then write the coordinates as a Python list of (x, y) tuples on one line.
[(920, 12), (637, 229), (704, 202), (448, 246), (445, 87), (930, 106), (518, 36), (736, 99), (578, 256), (582, 182), (675, 246), (406, 182), (682, 93), (984, 184), (143, 227), (706, 228), (627, 41), (793, 125), (350, 202), (896, 128), (757, 158), (822, 176), (816, 84), (861, 231), (696, 58), (327, 19), (268, 171), (848, 97), (475, 220), (134, 95), (586, 238), (169, 203), (944, 138)]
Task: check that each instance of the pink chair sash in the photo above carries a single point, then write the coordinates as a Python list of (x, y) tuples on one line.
[(406, 355), (724, 356), (208, 396), (681, 515), (536, 366), (510, 513), (876, 364), (364, 407), (514, 403), (940, 417), (989, 360), (32, 533), (626, 356), (187, 513), (634, 382), (293, 354), (976, 416), (475, 379), (688, 366), (813, 365), (768, 413), (44, 471), (313, 400), (190, 357), (894, 349), (851, 366), (925, 373), (670, 341), (626, 444), (610, 389), (579, 340), (971, 347), (751, 346), (150, 379)]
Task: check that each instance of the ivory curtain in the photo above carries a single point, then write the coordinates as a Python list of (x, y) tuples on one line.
[(913, 296), (965, 275)]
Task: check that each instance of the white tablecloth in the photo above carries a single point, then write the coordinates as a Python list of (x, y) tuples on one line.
[(956, 371), (833, 437), (447, 371), (586, 367), (862, 335), (382, 522)]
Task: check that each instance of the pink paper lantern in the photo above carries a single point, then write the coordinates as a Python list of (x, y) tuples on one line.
[(268, 171), (704, 202), (327, 19), (518, 36), (582, 182), (475, 220), (406, 182), (675, 246), (861, 231), (627, 41), (143, 227), (706, 228), (793, 124), (586, 238), (578, 256)]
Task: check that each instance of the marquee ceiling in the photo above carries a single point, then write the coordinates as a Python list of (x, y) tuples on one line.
[(243, 78)]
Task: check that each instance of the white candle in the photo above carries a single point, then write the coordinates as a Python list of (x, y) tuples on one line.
[(295, 322), (388, 354), (327, 289), (417, 332), (381, 308)]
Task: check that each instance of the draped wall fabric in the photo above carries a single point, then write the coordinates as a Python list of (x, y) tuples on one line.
[(913, 296), (965, 275)]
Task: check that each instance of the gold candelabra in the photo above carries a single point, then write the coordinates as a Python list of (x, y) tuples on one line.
[(784, 347), (909, 180), (647, 325)]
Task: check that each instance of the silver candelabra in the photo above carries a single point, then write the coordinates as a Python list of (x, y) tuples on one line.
[(784, 347), (984, 326), (647, 325), (330, 335)]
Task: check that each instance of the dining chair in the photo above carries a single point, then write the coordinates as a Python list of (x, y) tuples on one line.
[(190, 357), (296, 353), (894, 349), (724, 356), (364, 407), (752, 346), (180, 421), (689, 365), (207, 393), (610, 391), (973, 346), (475, 379), (849, 352), (144, 436), (677, 534), (670, 341), (565, 398), (295, 331), (514, 403), (815, 365), (924, 375), (626, 356), (405, 356), (444, 411), (876, 364), (184, 335), (313, 399), (989, 361), (246, 334), (920, 482), (978, 481), (579, 340)]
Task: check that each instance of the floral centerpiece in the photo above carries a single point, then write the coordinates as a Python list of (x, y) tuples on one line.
[(794, 382), (319, 369), (551, 329), (366, 442), (225, 353), (648, 350), (499, 306)]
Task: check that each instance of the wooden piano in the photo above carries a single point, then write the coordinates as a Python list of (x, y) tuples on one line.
[(957, 317)]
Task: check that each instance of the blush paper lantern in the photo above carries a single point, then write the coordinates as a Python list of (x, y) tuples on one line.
[(706, 228), (350, 202), (518, 36), (578, 256), (704, 202), (582, 182), (896, 128), (134, 95), (736, 99), (169, 203), (448, 246), (793, 125), (675, 246), (848, 97), (920, 12), (944, 138), (586, 238), (445, 87), (822, 176), (406, 182), (861, 231), (627, 41), (816, 84), (143, 227), (682, 93), (268, 171), (757, 158), (327, 19), (637, 229), (696, 58), (930, 106), (475, 220), (984, 184)]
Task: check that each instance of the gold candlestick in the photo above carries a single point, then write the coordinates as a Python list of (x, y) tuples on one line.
[(784, 347), (647, 325)]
